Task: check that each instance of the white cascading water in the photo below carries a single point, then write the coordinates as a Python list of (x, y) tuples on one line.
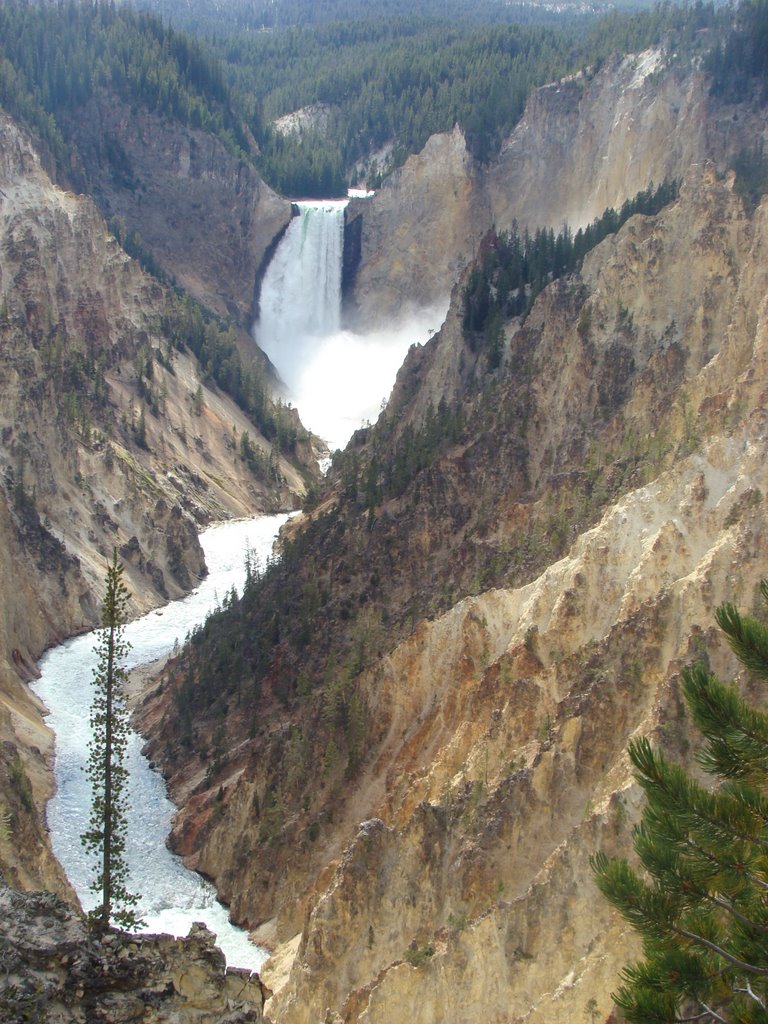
[(172, 898), (301, 292), (337, 379)]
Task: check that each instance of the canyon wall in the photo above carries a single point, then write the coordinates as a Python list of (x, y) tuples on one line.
[(109, 438), (549, 574), (590, 142), (417, 233), (508, 718), (583, 144), (206, 216)]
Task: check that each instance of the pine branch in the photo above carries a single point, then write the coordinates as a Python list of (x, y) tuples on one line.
[(729, 908), (737, 734), (668, 784), (698, 1016), (695, 849), (747, 990), (734, 960), (748, 638), (685, 880), (703, 912), (712, 1013)]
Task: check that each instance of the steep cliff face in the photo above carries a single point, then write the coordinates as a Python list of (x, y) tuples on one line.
[(583, 144), (105, 441), (605, 492), (586, 144), (417, 232), (206, 217)]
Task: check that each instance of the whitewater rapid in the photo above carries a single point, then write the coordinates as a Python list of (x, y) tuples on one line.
[(172, 898)]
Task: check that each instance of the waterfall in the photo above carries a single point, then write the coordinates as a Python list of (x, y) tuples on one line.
[(301, 291), (336, 378)]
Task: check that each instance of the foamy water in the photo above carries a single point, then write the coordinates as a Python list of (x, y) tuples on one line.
[(342, 380), (172, 898)]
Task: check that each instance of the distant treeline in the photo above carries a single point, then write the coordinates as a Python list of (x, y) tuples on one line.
[(388, 80), (397, 81), (202, 17)]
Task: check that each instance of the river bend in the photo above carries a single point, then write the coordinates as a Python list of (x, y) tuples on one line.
[(172, 897)]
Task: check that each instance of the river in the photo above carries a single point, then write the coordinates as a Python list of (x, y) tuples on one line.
[(172, 897)]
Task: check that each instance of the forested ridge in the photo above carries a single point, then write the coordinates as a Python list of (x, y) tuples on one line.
[(54, 57), (387, 82), (394, 82)]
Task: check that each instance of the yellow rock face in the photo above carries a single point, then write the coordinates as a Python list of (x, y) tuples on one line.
[(584, 144), (466, 893)]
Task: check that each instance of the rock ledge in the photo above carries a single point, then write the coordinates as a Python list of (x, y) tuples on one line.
[(57, 971)]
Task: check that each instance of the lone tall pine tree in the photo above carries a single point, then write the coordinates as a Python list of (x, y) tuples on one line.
[(106, 752), (701, 906)]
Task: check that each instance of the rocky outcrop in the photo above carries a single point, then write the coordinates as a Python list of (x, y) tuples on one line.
[(57, 971), (589, 142), (583, 144), (206, 216), (313, 118), (417, 232)]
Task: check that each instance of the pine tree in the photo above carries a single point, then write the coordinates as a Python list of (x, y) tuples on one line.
[(106, 769), (702, 907)]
